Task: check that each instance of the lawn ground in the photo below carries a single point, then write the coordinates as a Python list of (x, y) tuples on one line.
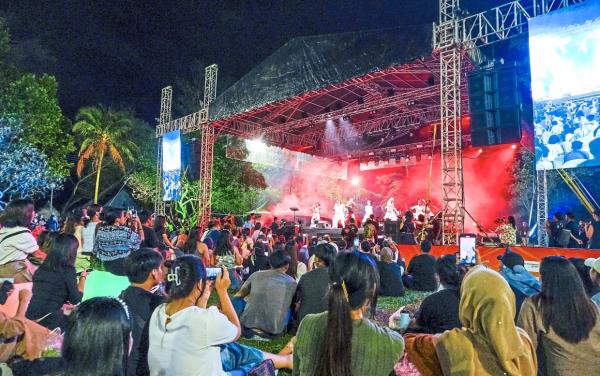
[(385, 307)]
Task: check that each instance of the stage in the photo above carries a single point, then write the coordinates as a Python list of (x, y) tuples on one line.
[(532, 255)]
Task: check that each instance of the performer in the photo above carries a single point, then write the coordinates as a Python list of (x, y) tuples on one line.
[(368, 211), (421, 209), (390, 210), (350, 209), (316, 215), (338, 214)]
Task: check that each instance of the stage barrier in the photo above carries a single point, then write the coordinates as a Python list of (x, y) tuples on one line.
[(532, 255)]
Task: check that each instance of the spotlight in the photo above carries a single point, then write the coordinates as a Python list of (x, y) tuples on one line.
[(407, 159), (355, 180), (429, 157), (480, 151), (513, 146)]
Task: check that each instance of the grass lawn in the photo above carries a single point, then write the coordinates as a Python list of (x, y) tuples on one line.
[(385, 307)]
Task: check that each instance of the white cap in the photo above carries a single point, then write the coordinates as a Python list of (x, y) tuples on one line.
[(593, 263)]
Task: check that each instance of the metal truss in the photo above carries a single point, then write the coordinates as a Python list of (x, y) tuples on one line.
[(448, 43), (542, 207), (457, 32), (166, 98), (207, 147)]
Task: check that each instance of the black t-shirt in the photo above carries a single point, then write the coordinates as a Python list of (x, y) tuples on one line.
[(312, 292), (141, 304), (150, 238), (439, 311), (422, 270), (390, 279), (574, 228), (51, 289)]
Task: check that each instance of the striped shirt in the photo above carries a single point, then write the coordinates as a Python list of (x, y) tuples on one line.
[(115, 242)]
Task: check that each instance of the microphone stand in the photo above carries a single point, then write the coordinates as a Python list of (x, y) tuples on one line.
[(480, 227)]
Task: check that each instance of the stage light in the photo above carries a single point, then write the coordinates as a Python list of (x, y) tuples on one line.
[(256, 144), (355, 180), (514, 146), (429, 157), (480, 151)]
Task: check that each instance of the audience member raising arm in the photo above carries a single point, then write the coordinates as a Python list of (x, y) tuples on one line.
[(489, 343)]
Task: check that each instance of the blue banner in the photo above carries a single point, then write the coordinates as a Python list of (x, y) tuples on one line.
[(171, 163)]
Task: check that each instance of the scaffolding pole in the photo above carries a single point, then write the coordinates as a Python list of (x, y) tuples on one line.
[(208, 139), (166, 98), (448, 43), (542, 207)]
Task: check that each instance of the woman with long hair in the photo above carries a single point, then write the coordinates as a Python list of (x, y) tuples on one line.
[(160, 228), (342, 341), (226, 255), (55, 283), (562, 321), (297, 269), (88, 233), (194, 246), (189, 338), (488, 343), (74, 226), (98, 339)]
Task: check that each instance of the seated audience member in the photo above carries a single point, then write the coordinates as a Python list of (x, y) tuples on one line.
[(489, 343), (296, 269), (144, 271), (194, 246), (420, 274), (594, 265), (150, 238), (162, 233), (522, 282), (20, 337), (390, 274), (268, 297), (259, 259), (55, 283), (585, 274), (342, 341), (97, 339), (563, 323), (576, 152), (228, 257), (365, 247), (16, 241), (314, 285), (439, 311), (187, 338), (114, 241)]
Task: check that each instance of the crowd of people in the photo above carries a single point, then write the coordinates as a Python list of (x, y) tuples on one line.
[(118, 294), (566, 133)]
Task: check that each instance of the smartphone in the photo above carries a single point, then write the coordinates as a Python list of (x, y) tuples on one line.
[(356, 242), (212, 273), (467, 244)]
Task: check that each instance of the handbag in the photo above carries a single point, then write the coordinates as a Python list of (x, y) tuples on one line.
[(265, 368)]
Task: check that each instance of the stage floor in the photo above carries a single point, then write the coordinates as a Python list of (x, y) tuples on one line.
[(489, 255)]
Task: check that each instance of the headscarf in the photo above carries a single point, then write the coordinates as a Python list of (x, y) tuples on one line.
[(489, 342)]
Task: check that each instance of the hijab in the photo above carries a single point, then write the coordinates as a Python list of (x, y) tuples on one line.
[(489, 342)]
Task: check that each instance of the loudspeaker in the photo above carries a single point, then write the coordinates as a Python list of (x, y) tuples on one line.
[(391, 228), (191, 158), (498, 101)]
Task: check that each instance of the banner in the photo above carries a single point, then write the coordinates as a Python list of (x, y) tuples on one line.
[(171, 164)]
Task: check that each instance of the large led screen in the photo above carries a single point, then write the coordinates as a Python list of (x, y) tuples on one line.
[(564, 50), (171, 163)]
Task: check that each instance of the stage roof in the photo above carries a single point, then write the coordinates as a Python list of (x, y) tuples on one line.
[(377, 86)]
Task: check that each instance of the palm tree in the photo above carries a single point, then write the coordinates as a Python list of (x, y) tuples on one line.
[(103, 130)]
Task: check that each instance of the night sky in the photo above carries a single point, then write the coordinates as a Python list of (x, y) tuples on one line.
[(122, 52)]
